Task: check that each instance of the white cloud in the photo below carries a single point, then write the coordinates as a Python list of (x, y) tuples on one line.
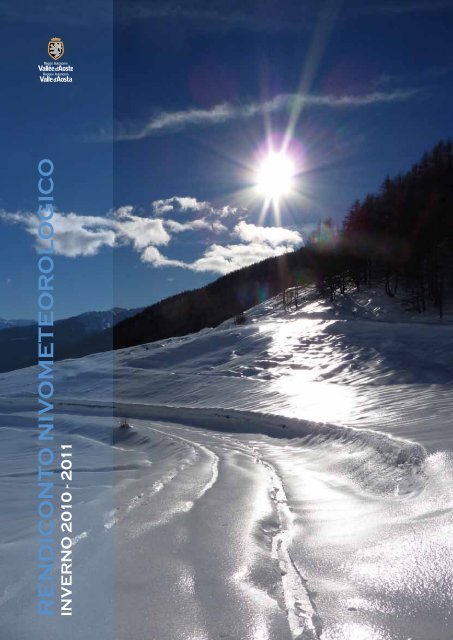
[(78, 235), (140, 231), (153, 256), (271, 235), (218, 227), (187, 204), (224, 259), (179, 204), (203, 213), (228, 210), (179, 227), (221, 113), (258, 243), (195, 225), (74, 235)]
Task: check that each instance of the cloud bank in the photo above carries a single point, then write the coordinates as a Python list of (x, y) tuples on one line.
[(228, 242), (78, 235)]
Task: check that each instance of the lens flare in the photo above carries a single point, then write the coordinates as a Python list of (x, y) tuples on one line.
[(274, 178)]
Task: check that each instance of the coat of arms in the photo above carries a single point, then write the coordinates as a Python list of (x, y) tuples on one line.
[(55, 48)]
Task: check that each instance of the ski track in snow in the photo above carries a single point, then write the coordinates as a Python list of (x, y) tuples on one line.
[(197, 455), (187, 505), (303, 620)]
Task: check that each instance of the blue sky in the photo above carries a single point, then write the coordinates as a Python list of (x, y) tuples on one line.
[(157, 141)]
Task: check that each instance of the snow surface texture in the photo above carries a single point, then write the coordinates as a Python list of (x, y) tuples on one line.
[(289, 478)]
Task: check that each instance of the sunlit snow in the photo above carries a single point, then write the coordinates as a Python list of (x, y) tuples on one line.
[(291, 477)]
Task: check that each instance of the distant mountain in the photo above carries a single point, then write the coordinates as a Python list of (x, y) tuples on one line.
[(15, 322), (18, 342), (95, 321)]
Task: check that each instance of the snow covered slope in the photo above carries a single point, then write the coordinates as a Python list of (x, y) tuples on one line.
[(291, 477)]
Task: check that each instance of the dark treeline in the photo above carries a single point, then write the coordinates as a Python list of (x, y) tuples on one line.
[(208, 306), (401, 237)]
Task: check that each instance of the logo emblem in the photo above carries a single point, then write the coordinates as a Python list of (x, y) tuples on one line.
[(55, 48)]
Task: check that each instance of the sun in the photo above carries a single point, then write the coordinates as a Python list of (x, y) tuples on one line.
[(274, 177)]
